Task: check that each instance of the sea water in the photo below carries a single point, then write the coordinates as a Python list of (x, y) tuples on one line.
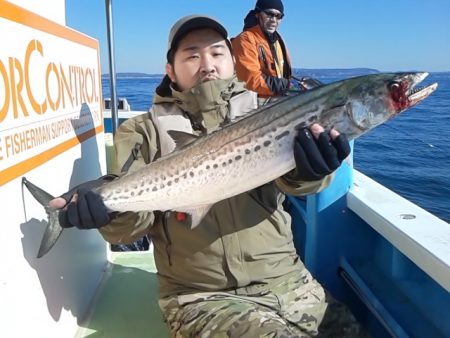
[(409, 154)]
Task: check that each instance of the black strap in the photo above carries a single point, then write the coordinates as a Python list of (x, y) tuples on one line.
[(263, 55), (133, 156)]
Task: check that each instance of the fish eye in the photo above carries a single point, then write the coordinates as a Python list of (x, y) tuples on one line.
[(394, 86), (397, 92)]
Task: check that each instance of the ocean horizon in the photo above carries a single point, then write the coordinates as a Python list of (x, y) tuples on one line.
[(296, 71)]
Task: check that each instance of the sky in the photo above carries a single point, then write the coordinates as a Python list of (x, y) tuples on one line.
[(388, 35)]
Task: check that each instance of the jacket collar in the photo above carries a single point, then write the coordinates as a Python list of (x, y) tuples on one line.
[(207, 103)]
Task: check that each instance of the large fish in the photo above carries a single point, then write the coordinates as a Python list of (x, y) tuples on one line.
[(251, 151)]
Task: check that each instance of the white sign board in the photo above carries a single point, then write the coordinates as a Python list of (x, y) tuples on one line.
[(50, 97), (51, 131)]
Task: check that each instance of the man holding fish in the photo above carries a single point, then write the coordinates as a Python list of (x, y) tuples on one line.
[(227, 268)]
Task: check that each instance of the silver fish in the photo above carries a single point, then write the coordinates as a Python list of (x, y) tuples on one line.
[(253, 150)]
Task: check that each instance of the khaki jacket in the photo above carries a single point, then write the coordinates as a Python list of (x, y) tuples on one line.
[(244, 240)]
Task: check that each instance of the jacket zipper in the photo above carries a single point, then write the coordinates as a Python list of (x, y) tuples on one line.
[(165, 218)]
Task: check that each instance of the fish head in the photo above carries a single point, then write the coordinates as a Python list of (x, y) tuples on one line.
[(379, 97), (404, 92)]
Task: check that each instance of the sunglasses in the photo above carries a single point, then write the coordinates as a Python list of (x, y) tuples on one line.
[(272, 15)]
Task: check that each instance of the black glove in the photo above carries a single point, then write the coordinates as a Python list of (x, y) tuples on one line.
[(89, 211), (317, 158)]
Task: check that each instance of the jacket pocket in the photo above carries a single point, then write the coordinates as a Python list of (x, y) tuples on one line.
[(269, 198)]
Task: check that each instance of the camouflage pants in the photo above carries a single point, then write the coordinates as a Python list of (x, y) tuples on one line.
[(296, 307)]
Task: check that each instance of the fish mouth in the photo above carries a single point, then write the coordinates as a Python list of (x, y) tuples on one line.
[(417, 94), (406, 93)]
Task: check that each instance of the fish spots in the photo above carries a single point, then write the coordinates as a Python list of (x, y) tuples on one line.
[(224, 164), (191, 173), (312, 118), (238, 157), (267, 143), (247, 151), (283, 134), (155, 188), (258, 147), (215, 166)]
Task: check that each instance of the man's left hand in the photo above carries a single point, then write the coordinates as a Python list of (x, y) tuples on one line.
[(318, 153)]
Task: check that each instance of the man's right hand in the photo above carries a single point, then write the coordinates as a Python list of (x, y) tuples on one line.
[(84, 208)]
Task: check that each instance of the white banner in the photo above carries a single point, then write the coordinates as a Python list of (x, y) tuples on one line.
[(50, 97)]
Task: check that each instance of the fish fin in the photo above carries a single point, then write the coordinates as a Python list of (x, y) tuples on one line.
[(40, 195), (53, 229), (197, 214), (181, 138)]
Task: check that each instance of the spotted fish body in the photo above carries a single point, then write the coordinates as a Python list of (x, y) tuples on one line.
[(258, 148), (255, 149)]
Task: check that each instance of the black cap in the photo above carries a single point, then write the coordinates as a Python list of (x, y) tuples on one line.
[(189, 23), (262, 5)]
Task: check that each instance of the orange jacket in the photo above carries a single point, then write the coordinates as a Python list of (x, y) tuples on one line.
[(255, 63)]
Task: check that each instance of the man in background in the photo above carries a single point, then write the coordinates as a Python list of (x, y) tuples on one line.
[(262, 58)]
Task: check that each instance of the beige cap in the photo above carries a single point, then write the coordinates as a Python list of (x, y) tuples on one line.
[(189, 23)]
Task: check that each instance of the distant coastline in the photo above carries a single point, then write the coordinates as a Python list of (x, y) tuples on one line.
[(127, 75), (347, 72), (312, 72)]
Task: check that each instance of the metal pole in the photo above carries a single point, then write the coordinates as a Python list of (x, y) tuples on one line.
[(112, 67)]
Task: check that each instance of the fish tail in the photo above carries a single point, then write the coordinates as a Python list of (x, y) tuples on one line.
[(53, 229), (52, 232), (40, 195)]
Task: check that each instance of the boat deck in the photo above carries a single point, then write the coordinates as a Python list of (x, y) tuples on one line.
[(127, 300)]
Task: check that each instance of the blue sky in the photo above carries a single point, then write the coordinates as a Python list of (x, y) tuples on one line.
[(388, 35)]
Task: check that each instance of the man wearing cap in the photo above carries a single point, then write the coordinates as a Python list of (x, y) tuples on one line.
[(262, 58), (236, 274)]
